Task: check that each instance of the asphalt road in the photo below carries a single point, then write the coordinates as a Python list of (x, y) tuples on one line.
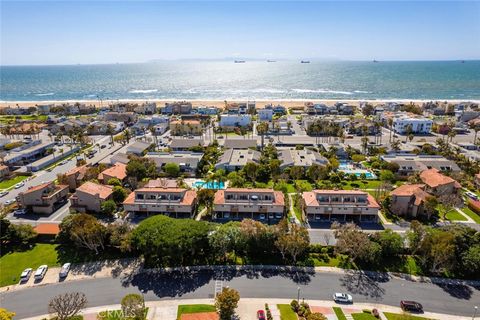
[(449, 299)]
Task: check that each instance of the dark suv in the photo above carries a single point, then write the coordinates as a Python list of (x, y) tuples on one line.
[(411, 306)]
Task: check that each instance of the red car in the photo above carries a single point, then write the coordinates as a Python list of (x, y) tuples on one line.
[(261, 315)]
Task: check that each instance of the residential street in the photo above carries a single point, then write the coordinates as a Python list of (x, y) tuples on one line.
[(458, 299)]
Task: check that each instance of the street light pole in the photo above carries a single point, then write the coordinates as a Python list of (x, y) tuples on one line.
[(298, 294), (474, 312)]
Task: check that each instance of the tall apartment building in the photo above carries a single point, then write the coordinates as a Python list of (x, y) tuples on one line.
[(340, 205), (265, 205), (173, 202)]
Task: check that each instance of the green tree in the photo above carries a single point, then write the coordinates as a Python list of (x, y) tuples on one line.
[(471, 260), (387, 175), (133, 306), (352, 241), (167, 241), (358, 158), (108, 207), (21, 233), (251, 171), (236, 179), (83, 230), (391, 243), (114, 182), (205, 197), (296, 172), (119, 194), (172, 169), (227, 238), (293, 242), (226, 302)]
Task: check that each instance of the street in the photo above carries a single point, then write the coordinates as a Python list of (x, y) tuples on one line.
[(457, 299)]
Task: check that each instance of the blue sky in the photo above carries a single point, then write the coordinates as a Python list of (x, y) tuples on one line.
[(72, 32)]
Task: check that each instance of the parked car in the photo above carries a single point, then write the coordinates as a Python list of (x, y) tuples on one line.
[(19, 212), (19, 185), (342, 298), (411, 306), (471, 195), (262, 216), (65, 270), (9, 201), (103, 146), (261, 315), (3, 193), (40, 272), (25, 275), (63, 162)]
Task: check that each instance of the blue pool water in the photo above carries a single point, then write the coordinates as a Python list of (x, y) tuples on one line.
[(209, 185)]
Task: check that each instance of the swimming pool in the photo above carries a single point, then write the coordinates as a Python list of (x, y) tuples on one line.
[(209, 185), (358, 173)]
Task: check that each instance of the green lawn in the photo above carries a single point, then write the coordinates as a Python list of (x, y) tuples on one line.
[(363, 316), (12, 118), (298, 213), (339, 313), (454, 215), (11, 182), (12, 264), (399, 316), (362, 184), (471, 214), (194, 308), (286, 312)]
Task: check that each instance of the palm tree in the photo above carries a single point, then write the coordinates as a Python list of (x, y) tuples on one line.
[(409, 131), (262, 128), (110, 131), (476, 128), (154, 134), (365, 141), (390, 124)]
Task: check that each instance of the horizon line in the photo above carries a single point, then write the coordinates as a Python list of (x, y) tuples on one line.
[(233, 59)]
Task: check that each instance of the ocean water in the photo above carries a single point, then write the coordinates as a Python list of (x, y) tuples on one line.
[(251, 80)]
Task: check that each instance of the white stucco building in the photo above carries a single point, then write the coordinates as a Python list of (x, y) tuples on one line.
[(418, 125), (235, 120)]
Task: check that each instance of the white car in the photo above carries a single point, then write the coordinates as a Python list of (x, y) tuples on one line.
[(25, 275), (342, 298), (19, 185), (20, 212), (471, 195), (3, 193), (9, 201), (65, 270), (40, 272)]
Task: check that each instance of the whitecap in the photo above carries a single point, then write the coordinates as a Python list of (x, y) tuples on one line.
[(45, 94), (143, 91), (361, 91), (322, 91)]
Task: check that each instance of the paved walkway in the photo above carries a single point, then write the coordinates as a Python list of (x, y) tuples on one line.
[(247, 309), (469, 220), (292, 212)]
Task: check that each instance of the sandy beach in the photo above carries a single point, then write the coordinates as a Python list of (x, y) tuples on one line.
[(221, 103)]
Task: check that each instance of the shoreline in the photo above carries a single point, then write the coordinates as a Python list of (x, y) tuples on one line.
[(220, 103)]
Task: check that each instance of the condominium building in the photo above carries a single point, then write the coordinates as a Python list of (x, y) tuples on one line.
[(235, 120), (402, 124), (301, 158), (340, 205), (411, 163), (173, 202), (90, 196), (44, 198), (186, 127), (266, 205), (439, 184), (409, 200), (236, 159)]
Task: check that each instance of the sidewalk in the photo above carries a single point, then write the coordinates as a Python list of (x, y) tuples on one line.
[(248, 307)]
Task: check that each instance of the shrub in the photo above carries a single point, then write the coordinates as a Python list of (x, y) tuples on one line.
[(367, 311), (375, 313), (295, 306)]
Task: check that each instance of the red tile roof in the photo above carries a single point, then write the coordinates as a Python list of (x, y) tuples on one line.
[(119, 170), (93, 188), (47, 228), (37, 187), (310, 198), (409, 190), (82, 169), (433, 178), (189, 196)]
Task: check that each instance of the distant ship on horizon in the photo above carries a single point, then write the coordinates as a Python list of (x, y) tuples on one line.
[(271, 61), (239, 61), (305, 61), (375, 61)]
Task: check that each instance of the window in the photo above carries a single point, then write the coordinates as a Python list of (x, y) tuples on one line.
[(140, 196)]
